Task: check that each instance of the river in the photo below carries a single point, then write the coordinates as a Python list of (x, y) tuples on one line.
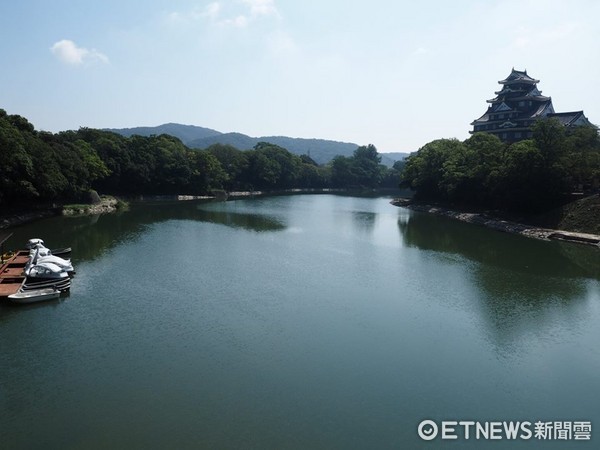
[(308, 321)]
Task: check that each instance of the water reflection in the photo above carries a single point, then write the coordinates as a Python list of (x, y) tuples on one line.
[(364, 221), (90, 236), (501, 250), (252, 222), (521, 282)]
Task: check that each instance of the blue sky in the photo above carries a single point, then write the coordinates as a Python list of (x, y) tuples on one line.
[(392, 73)]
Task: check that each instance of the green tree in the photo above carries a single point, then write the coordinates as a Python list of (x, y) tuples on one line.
[(234, 162), (285, 165), (264, 172), (341, 172), (582, 159), (365, 166), (424, 169), (549, 136), (524, 183), (16, 165), (207, 172), (470, 169)]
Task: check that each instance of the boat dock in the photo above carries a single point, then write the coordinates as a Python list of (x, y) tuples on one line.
[(11, 269)]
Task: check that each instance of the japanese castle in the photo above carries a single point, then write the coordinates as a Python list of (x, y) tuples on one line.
[(517, 106)]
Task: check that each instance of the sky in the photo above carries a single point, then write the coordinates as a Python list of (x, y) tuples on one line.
[(393, 73)]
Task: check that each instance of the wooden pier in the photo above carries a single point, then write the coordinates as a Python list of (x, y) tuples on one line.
[(11, 269), (11, 273)]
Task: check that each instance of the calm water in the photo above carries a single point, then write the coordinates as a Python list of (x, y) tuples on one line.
[(317, 322)]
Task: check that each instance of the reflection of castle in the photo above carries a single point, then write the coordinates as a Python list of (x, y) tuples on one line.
[(517, 106)]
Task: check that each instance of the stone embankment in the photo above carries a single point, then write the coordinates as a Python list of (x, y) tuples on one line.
[(105, 205), (244, 194), (500, 224)]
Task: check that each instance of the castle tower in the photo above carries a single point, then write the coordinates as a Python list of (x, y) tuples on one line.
[(517, 106)]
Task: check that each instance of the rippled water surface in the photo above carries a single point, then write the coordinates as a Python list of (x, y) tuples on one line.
[(297, 322)]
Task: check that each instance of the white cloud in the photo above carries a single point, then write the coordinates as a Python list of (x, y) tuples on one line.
[(212, 10), (262, 8), (238, 22), (69, 53), (226, 13)]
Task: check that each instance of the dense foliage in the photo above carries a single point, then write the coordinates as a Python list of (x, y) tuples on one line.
[(528, 175), (42, 167)]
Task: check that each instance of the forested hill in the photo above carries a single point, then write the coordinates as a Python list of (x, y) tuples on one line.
[(185, 133), (321, 151), (38, 167)]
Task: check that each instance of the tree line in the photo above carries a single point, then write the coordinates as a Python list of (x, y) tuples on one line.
[(42, 167), (530, 175)]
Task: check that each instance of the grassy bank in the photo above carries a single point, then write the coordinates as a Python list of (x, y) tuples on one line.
[(581, 216)]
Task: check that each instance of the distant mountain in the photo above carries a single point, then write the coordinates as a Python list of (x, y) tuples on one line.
[(237, 140), (321, 150), (394, 156), (186, 133)]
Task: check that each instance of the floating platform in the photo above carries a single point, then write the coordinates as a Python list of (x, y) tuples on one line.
[(11, 273)]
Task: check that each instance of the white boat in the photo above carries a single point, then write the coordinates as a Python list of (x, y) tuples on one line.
[(61, 285), (48, 271), (64, 264), (45, 275), (45, 251), (40, 254), (33, 296)]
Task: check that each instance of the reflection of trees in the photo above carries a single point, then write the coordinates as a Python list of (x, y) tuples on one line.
[(500, 250), (364, 221), (585, 257), (522, 282), (90, 236), (253, 222)]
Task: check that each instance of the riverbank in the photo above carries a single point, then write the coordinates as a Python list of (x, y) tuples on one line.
[(12, 220), (249, 194), (106, 204), (233, 195), (496, 223)]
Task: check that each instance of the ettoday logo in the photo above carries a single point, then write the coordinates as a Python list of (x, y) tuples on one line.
[(428, 430)]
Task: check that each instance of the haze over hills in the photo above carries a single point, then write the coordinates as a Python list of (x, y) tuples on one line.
[(186, 133), (321, 150)]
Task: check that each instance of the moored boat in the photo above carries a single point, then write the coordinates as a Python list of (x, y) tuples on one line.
[(35, 295), (44, 251), (35, 272), (62, 285), (45, 274), (41, 254)]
